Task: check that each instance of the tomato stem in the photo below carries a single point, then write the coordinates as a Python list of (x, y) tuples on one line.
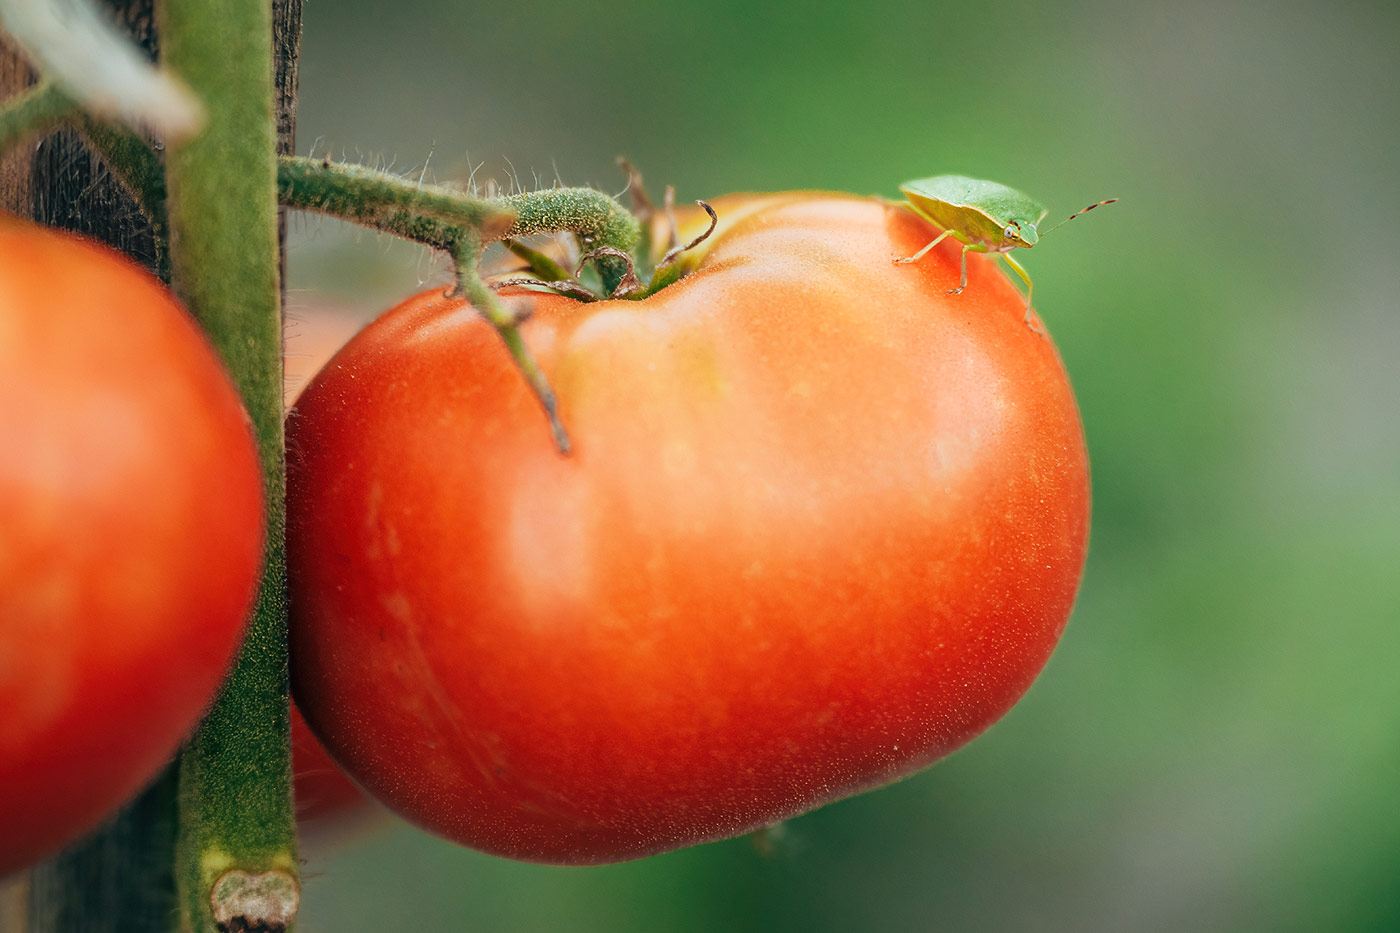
[(595, 218), (462, 225), (431, 214), (235, 814), (466, 253)]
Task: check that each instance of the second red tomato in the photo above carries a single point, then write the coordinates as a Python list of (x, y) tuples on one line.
[(131, 533)]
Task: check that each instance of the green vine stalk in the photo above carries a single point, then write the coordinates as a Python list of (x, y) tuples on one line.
[(236, 863)]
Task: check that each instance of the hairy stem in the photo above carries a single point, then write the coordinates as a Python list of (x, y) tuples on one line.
[(425, 213), (597, 220), (466, 253), (236, 855), (594, 216), (430, 213)]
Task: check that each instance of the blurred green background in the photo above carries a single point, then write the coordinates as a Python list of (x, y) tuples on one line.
[(1216, 744)]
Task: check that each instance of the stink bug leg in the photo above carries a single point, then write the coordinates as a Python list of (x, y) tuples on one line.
[(962, 279), (1020, 270), (924, 252)]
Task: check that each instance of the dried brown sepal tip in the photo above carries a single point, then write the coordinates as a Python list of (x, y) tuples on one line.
[(559, 287), (677, 250), (254, 902), (671, 269), (670, 202), (642, 205)]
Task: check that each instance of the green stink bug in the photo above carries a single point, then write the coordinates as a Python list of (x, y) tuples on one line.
[(982, 215)]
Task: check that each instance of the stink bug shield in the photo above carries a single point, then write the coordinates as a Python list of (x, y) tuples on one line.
[(982, 215)]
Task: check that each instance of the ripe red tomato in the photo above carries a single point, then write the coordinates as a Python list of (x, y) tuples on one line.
[(131, 533), (823, 524)]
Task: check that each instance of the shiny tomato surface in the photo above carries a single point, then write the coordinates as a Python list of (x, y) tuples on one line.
[(131, 533), (823, 524)]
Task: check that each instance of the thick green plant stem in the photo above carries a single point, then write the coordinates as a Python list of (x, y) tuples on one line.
[(30, 113), (236, 856)]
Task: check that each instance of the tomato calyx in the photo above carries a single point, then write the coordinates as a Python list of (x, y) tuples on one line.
[(677, 261), (671, 269), (464, 225), (546, 274)]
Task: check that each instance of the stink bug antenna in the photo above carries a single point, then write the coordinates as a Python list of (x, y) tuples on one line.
[(1077, 213)]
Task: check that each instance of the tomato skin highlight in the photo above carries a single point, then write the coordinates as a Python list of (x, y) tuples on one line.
[(131, 533), (824, 523)]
